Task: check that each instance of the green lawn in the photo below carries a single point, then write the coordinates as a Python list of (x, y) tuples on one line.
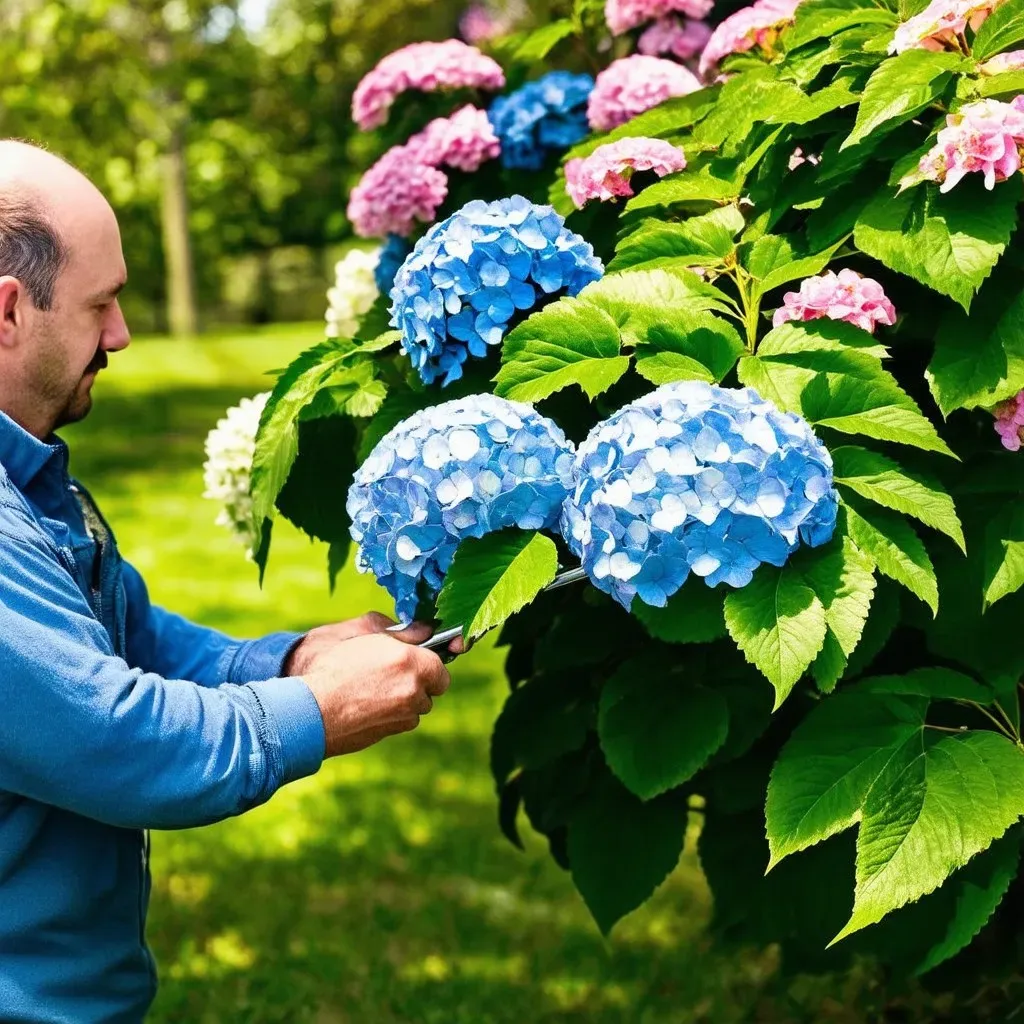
[(381, 890)]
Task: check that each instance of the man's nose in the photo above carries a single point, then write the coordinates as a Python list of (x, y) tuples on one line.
[(116, 335)]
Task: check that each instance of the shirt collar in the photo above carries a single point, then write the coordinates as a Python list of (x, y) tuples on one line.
[(25, 456)]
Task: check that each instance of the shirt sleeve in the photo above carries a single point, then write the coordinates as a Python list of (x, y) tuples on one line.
[(160, 641), (82, 730)]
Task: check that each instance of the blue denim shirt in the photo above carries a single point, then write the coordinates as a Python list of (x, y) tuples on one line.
[(115, 717)]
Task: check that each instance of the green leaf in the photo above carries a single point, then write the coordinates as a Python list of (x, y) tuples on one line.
[(979, 360), (705, 240), (778, 622), (773, 261), (337, 556), (1004, 553), (686, 187), (1010, 83), (949, 243), (635, 299), (829, 764), (895, 548), (885, 482), (694, 346), (658, 729), (621, 849), (816, 19), (569, 342), (1000, 30), (693, 615), (928, 814), (541, 41), (900, 88), (933, 683), (493, 577), (876, 408)]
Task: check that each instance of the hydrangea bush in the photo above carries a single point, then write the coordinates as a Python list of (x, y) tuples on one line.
[(797, 396)]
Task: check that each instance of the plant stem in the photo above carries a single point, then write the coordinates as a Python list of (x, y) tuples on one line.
[(751, 309)]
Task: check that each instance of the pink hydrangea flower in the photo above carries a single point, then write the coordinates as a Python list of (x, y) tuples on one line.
[(465, 140), (758, 25), (606, 172), (798, 157), (682, 39), (843, 296), (426, 66), (983, 138), (630, 86), (398, 190), (1001, 62), (941, 25), (622, 15), (1010, 422), (479, 23)]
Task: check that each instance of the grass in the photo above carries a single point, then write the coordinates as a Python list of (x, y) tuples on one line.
[(379, 891)]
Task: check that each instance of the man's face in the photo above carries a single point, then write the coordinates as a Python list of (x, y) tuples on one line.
[(73, 338)]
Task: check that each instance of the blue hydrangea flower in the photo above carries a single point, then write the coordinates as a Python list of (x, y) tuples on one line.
[(456, 470), (469, 275), (543, 117), (392, 255), (696, 478)]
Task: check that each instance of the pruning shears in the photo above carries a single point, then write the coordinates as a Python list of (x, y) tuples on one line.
[(446, 636)]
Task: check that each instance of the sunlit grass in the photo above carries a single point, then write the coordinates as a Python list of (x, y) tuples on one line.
[(381, 890)]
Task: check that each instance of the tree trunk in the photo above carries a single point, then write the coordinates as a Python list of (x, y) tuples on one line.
[(182, 314)]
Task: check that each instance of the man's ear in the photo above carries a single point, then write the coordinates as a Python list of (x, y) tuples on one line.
[(12, 310)]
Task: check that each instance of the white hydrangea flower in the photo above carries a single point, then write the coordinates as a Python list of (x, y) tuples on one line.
[(228, 468), (354, 292)]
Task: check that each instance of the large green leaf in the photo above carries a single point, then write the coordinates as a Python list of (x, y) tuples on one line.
[(891, 542), (817, 19), (931, 810), (1000, 30), (900, 88), (693, 615), (947, 242), (686, 187), (691, 346), (885, 482), (493, 577), (621, 848), (705, 240), (541, 41), (1004, 553), (778, 622), (933, 683), (979, 360), (875, 407), (773, 261), (825, 770), (658, 728), (569, 342)]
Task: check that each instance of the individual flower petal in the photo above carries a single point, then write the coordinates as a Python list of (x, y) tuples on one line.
[(1010, 422), (844, 296), (455, 295), (630, 86), (1003, 62), (424, 66), (606, 172), (227, 470), (695, 478), (456, 470), (758, 25), (543, 117), (682, 39), (622, 15)]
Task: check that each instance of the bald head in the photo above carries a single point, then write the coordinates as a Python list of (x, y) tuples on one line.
[(61, 268)]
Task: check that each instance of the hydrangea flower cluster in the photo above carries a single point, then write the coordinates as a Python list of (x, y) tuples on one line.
[(456, 470), (424, 66), (980, 138), (682, 39), (405, 185), (1010, 422), (354, 292), (545, 116), (228, 468), (844, 296), (392, 255), (630, 86), (622, 15), (468, 276), (757, 25), (1003, 62), (479, 23), (941, 25), (696, 478), (605, 173)]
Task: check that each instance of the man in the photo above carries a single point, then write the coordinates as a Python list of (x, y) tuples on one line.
[(116, 716)]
